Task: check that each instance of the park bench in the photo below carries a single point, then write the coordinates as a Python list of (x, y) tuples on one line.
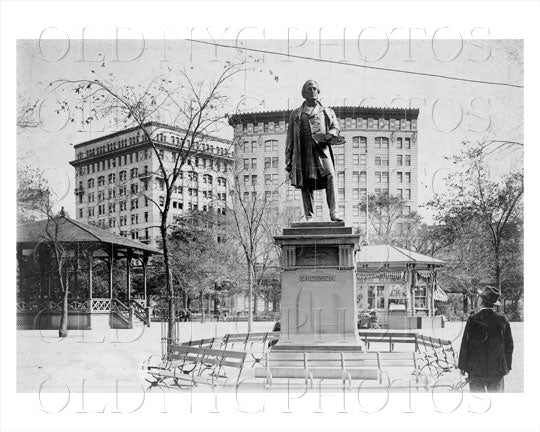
[(369, 337), (438, 355), (205, 343), (196, 365), (255, 344)]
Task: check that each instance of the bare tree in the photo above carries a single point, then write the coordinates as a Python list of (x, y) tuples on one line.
[(255, 218), (194, 108)]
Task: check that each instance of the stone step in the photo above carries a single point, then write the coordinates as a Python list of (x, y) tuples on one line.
[(317, 224), (318, 348), (314, 231), (330, 373)]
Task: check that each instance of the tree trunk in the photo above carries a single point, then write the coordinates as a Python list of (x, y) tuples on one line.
[(250, 298), (169, 289), (63, 330), (465, 304), (201, 305), (255, 304)]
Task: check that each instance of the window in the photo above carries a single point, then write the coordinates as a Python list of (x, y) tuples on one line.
[(341, 159), (359, 142), (246, 146), (362, 159), (267, 179), (134, 204), (384, 160), (341, 178), (246, 180), (80, 213), (318, 210), (363, 176), (101, 180), (355, 159), (254, 180), (275, 162), (376, 297), (407, 160), (407, 143), (356, 210), (267, 163), (363, 193), (355, 178), (385, 177), (407, 194), (420, 297), (246, 196), (341, 193), (254, 163), (378, 176), (134, 219), (377, 160), (134, 173), (123, 206), (356, 193), (399, 143), (146, 217), (400, 193), (246, 164), (90, 183), (399, 177), (407, 177), (399, 160), (112, 208), (275, 179), (381, 142), (123, 175), (134, 188)]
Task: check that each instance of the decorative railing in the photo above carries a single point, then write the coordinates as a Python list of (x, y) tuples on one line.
[(139, 311), (123, 311), (101, 305), (38, 305)]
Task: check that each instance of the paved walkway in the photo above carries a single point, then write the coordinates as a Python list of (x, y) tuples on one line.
[(101, 358)]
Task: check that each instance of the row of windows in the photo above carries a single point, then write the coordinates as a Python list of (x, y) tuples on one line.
[(344, 124), (358, 142), (135, 157), (134, 173)]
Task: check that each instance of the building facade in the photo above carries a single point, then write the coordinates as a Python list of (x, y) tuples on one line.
[(380, 156), (119, 186)]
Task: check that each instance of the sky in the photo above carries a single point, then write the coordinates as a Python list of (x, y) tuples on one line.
[(451, 111)]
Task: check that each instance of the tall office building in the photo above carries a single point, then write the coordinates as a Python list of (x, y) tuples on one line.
[(119, 184), (380, 156)]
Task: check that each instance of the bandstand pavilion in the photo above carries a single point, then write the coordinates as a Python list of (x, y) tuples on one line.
[(82, 245), (401, 285)]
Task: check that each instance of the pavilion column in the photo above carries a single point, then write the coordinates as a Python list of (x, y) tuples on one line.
[(128, 276), (144, 262), (90, 279), (111, 270)]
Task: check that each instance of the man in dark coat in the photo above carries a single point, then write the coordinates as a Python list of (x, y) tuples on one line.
[(487, 345), (308, 152)]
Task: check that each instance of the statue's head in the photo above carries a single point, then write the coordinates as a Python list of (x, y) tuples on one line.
[(310, 90)]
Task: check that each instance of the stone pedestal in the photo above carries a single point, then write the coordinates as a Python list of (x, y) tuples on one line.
[(318, 287)]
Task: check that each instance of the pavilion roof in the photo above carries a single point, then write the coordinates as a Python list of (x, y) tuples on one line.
[(70, 230), (393, 256)]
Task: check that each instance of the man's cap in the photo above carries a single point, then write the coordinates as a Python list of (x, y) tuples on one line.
[(490, 294)]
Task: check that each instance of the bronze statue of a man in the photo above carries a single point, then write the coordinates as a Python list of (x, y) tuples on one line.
[(308, 151)]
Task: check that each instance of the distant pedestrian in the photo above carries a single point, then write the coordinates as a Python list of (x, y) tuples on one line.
[(487, 345)]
